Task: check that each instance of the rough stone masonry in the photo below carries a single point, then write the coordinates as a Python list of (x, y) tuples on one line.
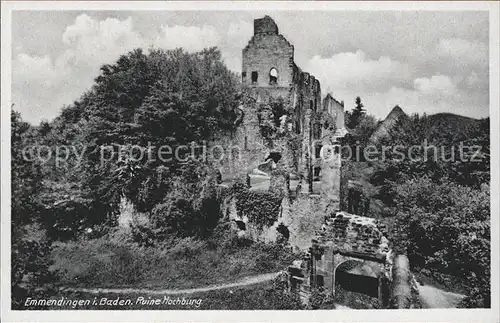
[(270, 74), (309, 211)]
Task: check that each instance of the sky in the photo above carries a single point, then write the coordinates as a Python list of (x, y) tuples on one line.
[(423, 61)]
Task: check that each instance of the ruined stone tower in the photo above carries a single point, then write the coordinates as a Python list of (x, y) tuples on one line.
[(269, 75), (268, 57), (282, 114), (269, 72)]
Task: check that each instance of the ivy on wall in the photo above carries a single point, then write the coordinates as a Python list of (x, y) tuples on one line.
[(269, 115), (294, 145), (267, 126), (261, 208), (325, 119)]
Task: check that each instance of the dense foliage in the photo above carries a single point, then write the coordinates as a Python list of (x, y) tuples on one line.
[(142, 101), (445, 227), (433, 191), (261, 208), (354, 117), (30, 275), (443, 147), (81, 165)]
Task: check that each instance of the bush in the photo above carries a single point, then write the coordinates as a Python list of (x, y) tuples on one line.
[(321, 299), (446, 227), (261, 208), (191, 207), (31, 274), (174, 263)]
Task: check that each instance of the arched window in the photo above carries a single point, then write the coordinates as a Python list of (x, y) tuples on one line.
[(273, 76)]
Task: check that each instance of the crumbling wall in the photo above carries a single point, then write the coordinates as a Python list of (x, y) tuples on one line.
[(335, 109), (303, 217), (355, 235), (301, 92), (346, 237), (236, 152), (267, 49), (330, 176)]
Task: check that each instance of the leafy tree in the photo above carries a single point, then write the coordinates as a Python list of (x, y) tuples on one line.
[(30, 275), (438, 141), (446, 227), (190, 207), (157, 98), (358, 138)]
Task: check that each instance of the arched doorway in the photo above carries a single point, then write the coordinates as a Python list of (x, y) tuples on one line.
[(358, 276)]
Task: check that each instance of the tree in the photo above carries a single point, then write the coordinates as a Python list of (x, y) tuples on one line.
[(439, 138), (30, 275), (157, 98), (446, 227), (357, 113)]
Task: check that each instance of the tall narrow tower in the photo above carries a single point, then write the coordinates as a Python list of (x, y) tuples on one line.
[(268, 57)]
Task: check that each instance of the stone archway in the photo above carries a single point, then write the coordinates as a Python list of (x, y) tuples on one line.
[(350, 239), (357, 276)]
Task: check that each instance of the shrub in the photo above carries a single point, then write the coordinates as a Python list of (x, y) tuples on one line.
[(321, 299), (446, 227), (261, 208), (31, 274)]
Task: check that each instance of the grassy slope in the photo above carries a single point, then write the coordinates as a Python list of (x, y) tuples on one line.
[(254, 297), (187, 263)]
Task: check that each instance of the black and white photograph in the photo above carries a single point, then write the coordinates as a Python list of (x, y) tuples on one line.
[(293, 157)]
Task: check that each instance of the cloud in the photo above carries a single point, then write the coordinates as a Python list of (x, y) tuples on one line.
[(473, 79), (238, 35), (422, 62), (190, 38), (463, 51), (437, 84), (44, 83), (91, 41), (384, 82), (34, 68), (380, 103), (354, 70)]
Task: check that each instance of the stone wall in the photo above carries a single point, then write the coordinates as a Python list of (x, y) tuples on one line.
[(356, 235), (345, 238), (266, 50), (300, 91), (335, 109)]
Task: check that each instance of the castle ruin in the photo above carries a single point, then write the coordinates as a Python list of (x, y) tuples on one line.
[(288, 141)]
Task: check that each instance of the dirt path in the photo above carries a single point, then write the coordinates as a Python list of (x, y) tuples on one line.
[(432, 297), (251, 280)]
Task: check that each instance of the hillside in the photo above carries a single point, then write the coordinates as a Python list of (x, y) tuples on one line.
[(453, 122), (389, 122), (441, 122)]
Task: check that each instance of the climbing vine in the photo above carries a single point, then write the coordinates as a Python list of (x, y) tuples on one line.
[(269, 115), (261, 208), (325, 119), (294, 146), (267, 126)]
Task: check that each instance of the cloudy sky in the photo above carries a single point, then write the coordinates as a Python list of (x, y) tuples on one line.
[(423, 61)]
